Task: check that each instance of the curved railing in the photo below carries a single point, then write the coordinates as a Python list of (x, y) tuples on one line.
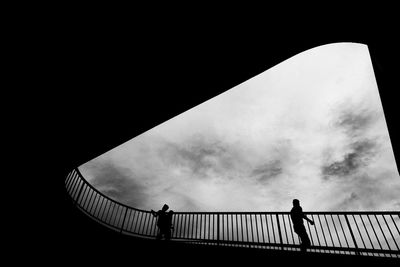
[(360, 233)]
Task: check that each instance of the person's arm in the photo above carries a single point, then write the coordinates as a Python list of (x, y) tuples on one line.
[(154, 213), (309, 220)]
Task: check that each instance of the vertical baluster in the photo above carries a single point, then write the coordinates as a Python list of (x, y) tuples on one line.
[(123, 220), (184, 225), (196, 225), (284, 228), (107, 215), (139, 222), (316, 231), (68, 180), (241, 227), (232, 229), (104, 210), (82, 196), (191, 225), (273, 228), (382, 231), (181, 225), (279, 230), (366, 230), (329, 230), (352, 235), (201, 227), (73, 183), (97, 208), (394, 240), (337, 235), (80, 192), (85, 197), (100, 208), (114, 214), (109, 212), (322, 229), (223, 226), (247, 230), (344, 234), (117, 215), (267, 230), (217, 229), (131, 220), (291, 230), (262, 228), (251, 227), (149, 223), (394, 223), (359, 232), (134, 221), (209, 226), (95, 203), (88, 200), (258, 238)]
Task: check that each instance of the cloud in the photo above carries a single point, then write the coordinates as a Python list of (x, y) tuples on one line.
[(265, 142), (361, 152), (201, 156), (267, 170), (366, 192), (118, 183), (354, 120)]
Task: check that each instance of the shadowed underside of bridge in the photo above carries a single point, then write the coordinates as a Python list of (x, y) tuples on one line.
[(116, 232)]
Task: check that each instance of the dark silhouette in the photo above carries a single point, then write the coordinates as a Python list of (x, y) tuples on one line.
[(297, 216), (164, 222)]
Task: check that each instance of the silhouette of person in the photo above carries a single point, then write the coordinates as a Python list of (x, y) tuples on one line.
[(297, 217), (168, 225), (163, 222)]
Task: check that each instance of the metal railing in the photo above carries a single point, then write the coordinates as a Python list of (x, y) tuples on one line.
[(358, 233)]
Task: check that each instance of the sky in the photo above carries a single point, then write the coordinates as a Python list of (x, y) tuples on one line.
[(311, 128)]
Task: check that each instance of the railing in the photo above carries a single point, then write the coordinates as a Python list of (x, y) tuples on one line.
[(359, 233)]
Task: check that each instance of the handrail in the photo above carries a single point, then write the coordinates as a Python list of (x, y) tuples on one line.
[(361, 233)]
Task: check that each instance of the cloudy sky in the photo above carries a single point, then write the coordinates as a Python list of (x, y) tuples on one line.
[(311, 127)]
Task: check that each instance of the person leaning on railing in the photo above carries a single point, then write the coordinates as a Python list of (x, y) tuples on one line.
[(164, 222), (297, 217)]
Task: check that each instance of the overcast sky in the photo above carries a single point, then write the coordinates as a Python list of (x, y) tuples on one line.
[(311, 127)]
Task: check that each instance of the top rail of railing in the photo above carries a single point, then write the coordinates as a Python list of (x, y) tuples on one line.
[(363, 232)]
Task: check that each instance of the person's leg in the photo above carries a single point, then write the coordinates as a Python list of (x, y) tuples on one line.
[(297, 230), (305, 241), (162, 232), (159, 234), (168, 234)]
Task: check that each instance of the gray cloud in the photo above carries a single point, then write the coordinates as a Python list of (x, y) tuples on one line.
[(200, 155), (355, 120), (119, 184), (366, 192), (267, 171), (361, 152)]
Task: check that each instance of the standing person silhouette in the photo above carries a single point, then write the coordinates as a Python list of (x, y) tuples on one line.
[(297, 217), (162, 222), (168, 225)]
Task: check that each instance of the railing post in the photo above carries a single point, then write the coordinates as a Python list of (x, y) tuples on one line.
[(279, 230), (123, 221), (80, 191), (352, 235), (218, 229)]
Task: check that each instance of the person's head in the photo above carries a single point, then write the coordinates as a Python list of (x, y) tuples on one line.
[(296, 203), (165, 207)]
